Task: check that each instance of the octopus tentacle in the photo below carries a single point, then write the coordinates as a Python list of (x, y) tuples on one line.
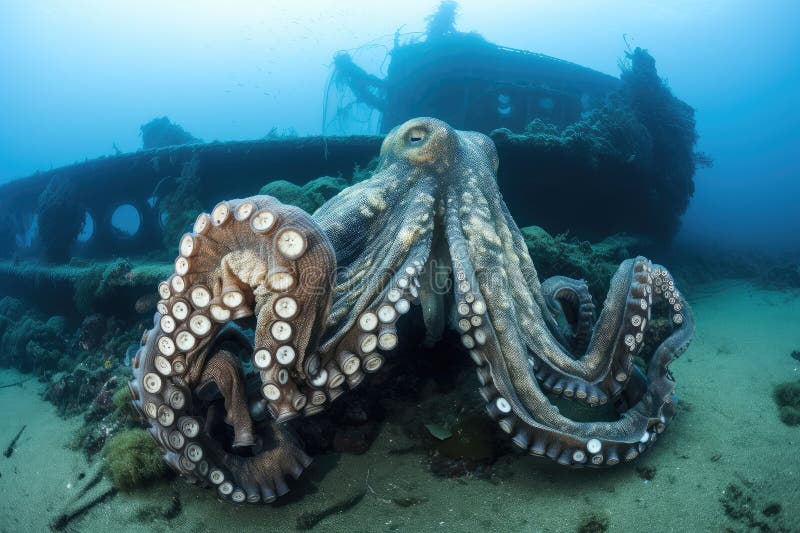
[(432, 209), (570, 301), (382, 232), (492, 268), (251, 257)]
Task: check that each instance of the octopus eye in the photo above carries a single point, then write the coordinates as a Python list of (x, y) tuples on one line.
[(416, 135)]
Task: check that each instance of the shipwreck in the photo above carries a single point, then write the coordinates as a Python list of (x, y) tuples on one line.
[(581, 152)]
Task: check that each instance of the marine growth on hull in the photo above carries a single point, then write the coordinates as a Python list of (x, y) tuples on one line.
[(272, 313)]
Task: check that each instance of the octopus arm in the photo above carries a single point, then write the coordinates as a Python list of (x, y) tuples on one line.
[(502, 317), (382, 231), (250, 258)]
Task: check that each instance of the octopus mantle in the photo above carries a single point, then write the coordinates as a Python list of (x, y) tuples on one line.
[(322, 294)]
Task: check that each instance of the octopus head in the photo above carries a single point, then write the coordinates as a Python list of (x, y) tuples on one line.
[(432, 145)]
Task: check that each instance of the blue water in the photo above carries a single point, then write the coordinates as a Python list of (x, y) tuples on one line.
[(79, 78)]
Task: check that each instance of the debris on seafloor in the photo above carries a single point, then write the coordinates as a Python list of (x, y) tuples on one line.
[(309, 519), (11, 447), (96, 489), (438, 431), (787, 398), (15, 384)]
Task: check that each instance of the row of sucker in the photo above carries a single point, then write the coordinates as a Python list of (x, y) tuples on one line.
[(628, 342), (570, 450), (561, 294), (246, 257), (362, 350), (379, 275)]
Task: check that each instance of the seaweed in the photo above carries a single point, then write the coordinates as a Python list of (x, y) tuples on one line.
[(133, 459), (741, 504), (595, 263), (308, 197), (27, 342)]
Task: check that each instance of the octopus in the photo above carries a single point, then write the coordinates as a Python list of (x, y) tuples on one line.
[(272, 314)]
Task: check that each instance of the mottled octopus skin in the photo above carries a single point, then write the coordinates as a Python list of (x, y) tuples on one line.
[(429, 228)]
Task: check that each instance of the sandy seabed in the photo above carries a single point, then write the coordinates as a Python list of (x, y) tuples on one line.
[(726, 446)]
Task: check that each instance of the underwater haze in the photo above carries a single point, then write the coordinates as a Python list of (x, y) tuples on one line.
[(418, 266), (82, 76)]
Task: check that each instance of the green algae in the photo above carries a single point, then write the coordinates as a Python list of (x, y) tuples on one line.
[(595, 263), (123, 406), (308, 197), (133, 459)]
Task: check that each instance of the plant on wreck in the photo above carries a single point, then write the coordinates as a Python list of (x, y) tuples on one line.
[(670, 123), (133, 459), (28, 343), (60, 215), (612, 131), (596, 263), (443, 21), (290, 194), (181, 205), (161, 132), (308, 197), (99, 283)]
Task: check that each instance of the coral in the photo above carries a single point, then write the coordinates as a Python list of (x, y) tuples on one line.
[(133, 460), (91, 332), (291, 194), (324, 188), (60, 216), (73, 391), (160, 132), (99, 286), (787, 396), (28, 343), (308, 197), (742, 503), (595, 263)]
